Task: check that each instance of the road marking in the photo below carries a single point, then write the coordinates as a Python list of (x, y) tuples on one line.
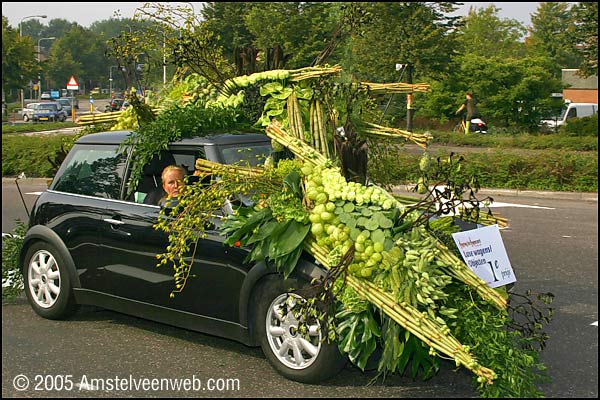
[(500, 204), (34, 193), (594, 323)]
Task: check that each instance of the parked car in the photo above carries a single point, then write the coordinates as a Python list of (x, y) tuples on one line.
[(72, 101), (51, 111), (90, 242), (114, 105), (570, 110), (46, 96), (66, 105), (28, 111)]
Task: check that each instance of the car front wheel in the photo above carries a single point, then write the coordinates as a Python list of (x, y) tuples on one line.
[(304, 357), (47, 283), (26, 118)]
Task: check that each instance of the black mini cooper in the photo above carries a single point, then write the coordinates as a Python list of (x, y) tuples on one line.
[(91, 241)]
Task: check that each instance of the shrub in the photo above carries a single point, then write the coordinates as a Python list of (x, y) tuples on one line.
[(30, 154), (586, 126)]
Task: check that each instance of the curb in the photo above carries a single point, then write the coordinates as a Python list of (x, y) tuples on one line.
[(532, 194), (407, 190)]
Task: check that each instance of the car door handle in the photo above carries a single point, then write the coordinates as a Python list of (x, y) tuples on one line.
[(113, 221)]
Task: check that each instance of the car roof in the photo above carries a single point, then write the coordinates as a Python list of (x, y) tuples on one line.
[(118, 137)]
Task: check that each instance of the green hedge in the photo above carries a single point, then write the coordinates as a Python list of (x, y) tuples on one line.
[(552, 169), (30, 154), (565, 140), (548, 170)]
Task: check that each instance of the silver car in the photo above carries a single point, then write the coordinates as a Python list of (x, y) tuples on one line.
[(28, 111)]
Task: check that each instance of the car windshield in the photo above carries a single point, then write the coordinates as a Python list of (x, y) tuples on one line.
[(50, 107), (65, 102)]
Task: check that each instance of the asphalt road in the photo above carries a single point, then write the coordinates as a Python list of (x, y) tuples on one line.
[(552, 245)]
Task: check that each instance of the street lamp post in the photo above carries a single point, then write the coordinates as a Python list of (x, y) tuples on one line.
[(39, 61), (164, 57), (24, 18), (20, 36), (110, 79)]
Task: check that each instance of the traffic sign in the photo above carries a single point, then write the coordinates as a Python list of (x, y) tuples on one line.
[(72, 84)]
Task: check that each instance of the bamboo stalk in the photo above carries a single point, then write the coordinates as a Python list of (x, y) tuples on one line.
[(457, 268), (315, 138), (397, 87), (394, 133), (322, 130), (300, 149), (312, 72), (419, 324), (210, 167)]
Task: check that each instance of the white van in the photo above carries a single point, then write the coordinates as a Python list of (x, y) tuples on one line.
[(571, 110)]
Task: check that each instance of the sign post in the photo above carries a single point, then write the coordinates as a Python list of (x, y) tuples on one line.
[(72, 85)]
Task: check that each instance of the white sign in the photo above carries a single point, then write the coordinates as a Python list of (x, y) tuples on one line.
[(483, 251)]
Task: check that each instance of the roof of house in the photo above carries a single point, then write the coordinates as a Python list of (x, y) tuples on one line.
[(571, 80)]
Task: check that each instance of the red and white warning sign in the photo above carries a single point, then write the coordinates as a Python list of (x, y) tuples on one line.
[(72, 84)]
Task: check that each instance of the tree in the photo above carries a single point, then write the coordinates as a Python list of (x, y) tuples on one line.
[(19, 63), (485, 34), (586, 36), (58, 28), (552, 35), (403, 32), (302, 29), (82, 52), (225, 20)]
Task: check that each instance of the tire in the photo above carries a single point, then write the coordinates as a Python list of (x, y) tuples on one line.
[(458, 128), (47, 283), (26, 118), (307, 360)]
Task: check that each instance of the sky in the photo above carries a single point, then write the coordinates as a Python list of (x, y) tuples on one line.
[(87, 13)]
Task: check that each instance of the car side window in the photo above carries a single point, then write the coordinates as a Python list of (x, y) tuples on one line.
[(149, 189), (93, 170), (252, 154)]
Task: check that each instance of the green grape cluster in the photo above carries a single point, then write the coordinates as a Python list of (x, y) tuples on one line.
[(127, 120), (393, 252)]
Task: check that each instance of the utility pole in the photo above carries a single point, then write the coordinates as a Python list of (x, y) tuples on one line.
[(20, 36), (39, 61), (409, 100)]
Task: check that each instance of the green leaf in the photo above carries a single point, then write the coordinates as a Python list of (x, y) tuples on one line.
[(378, 236), (274, 238), (348, 207), (288, 264), (372, 224), (263, 232), (270, 87), (290, 239), (304, 93), (292, 180)]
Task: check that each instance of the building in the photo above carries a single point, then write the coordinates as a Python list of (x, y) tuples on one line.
[(577, 89)]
